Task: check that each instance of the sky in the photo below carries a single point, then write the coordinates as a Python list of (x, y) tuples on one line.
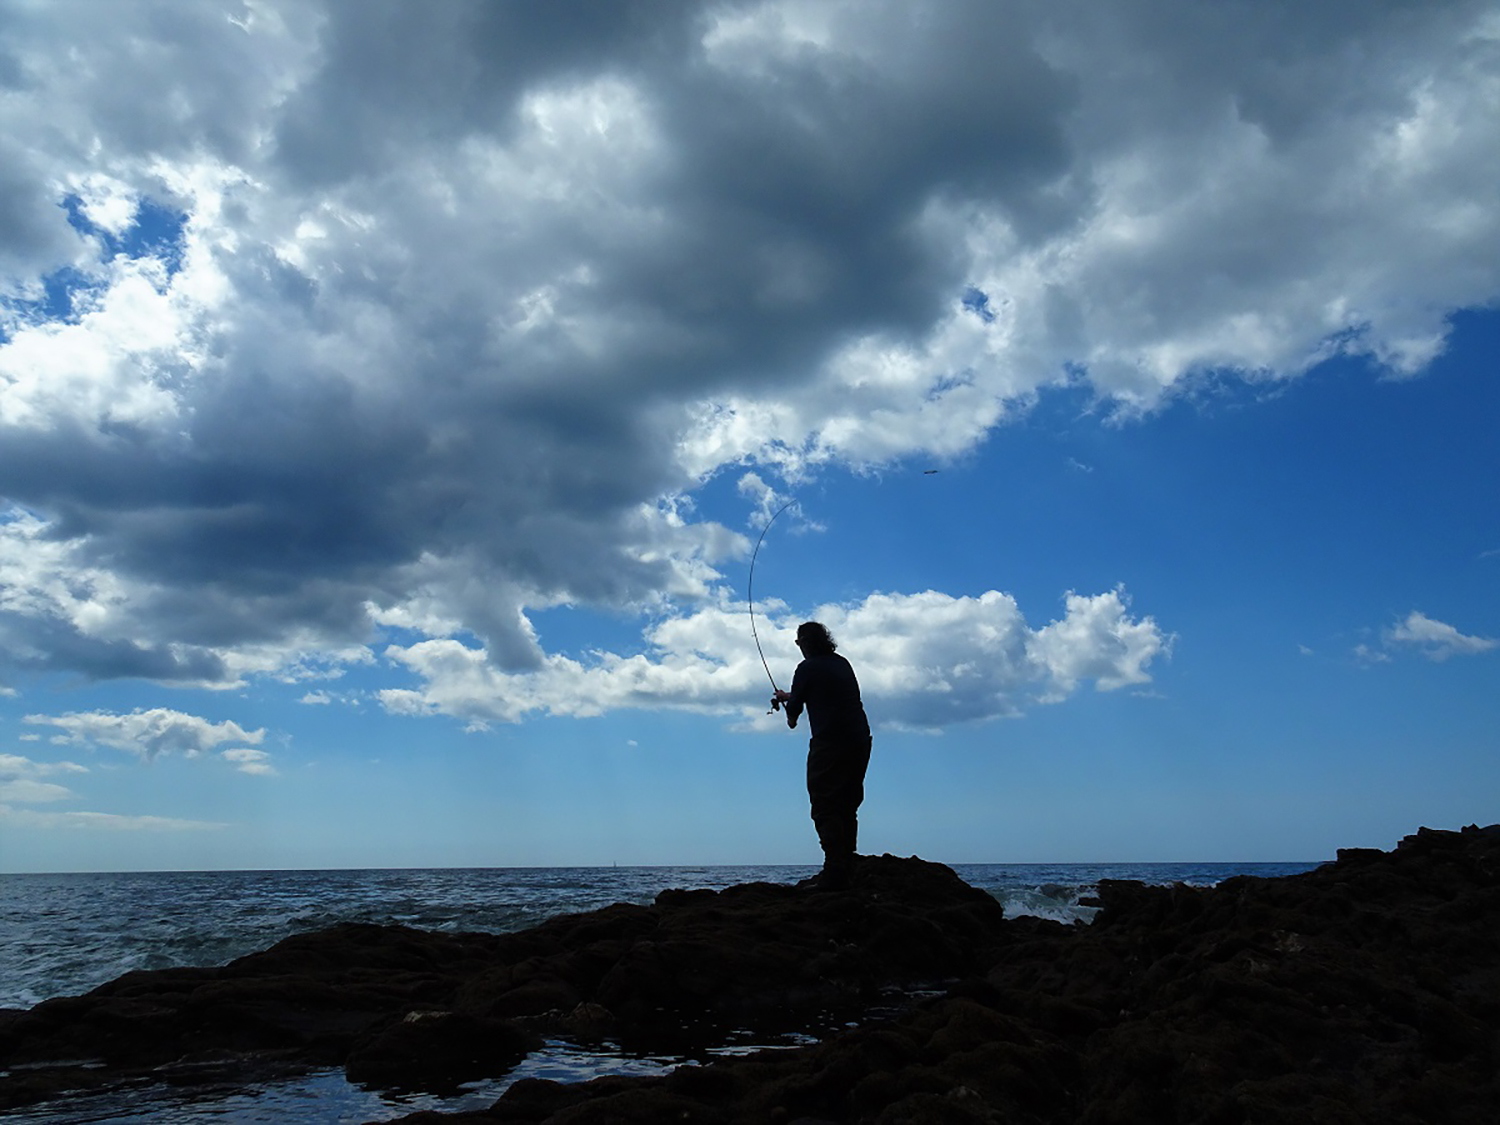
[(393, 397)]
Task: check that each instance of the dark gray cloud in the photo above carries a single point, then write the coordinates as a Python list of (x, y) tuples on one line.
[(468, 293), (37, 234), (391, 78), (52, 646)]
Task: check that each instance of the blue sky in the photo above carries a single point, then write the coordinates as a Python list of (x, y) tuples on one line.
[(383, 443)]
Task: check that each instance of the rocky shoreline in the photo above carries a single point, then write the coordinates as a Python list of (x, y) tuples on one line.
[(1367, 990)]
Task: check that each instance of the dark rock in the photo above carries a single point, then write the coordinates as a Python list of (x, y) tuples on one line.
[(1367, 990), (674, 976)]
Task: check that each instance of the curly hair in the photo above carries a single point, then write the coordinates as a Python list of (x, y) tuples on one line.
[(815, 638)]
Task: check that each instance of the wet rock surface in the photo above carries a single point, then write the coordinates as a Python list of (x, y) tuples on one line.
[(1365, 991)]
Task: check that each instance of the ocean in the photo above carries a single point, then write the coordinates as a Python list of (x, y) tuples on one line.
[(61, 935)]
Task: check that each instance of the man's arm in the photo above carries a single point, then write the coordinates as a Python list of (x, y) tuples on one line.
[(791, 701)]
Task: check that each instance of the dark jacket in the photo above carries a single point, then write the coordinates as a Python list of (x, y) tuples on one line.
[(825, 684)]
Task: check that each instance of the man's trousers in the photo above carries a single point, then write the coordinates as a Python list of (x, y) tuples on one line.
[(836, 786)]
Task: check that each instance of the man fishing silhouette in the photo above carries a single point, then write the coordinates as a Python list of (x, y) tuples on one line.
[(838, 749)]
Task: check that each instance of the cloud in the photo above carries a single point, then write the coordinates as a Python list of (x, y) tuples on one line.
[(148, 733), (19, 782), (1097, 640), (13, 765), (25, 791), (1434, 639), (249, 760), (325, 325), (925, 660), (19, 786), (109, 822)]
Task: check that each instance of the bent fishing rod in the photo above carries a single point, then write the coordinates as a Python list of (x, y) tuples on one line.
[(750, 594), (750, 597)]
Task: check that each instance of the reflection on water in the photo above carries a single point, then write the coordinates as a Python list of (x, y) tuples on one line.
[(323, 1097)]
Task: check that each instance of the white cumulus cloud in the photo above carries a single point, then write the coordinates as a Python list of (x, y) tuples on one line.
[(147, 733), (925, 660)]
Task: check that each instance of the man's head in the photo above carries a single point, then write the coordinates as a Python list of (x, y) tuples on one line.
[(814, 639)]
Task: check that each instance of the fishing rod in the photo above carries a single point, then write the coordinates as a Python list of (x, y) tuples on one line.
[(750, 597), (750, 594)]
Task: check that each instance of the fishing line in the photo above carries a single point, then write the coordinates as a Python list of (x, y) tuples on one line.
[(750, 591), (750, 596)]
